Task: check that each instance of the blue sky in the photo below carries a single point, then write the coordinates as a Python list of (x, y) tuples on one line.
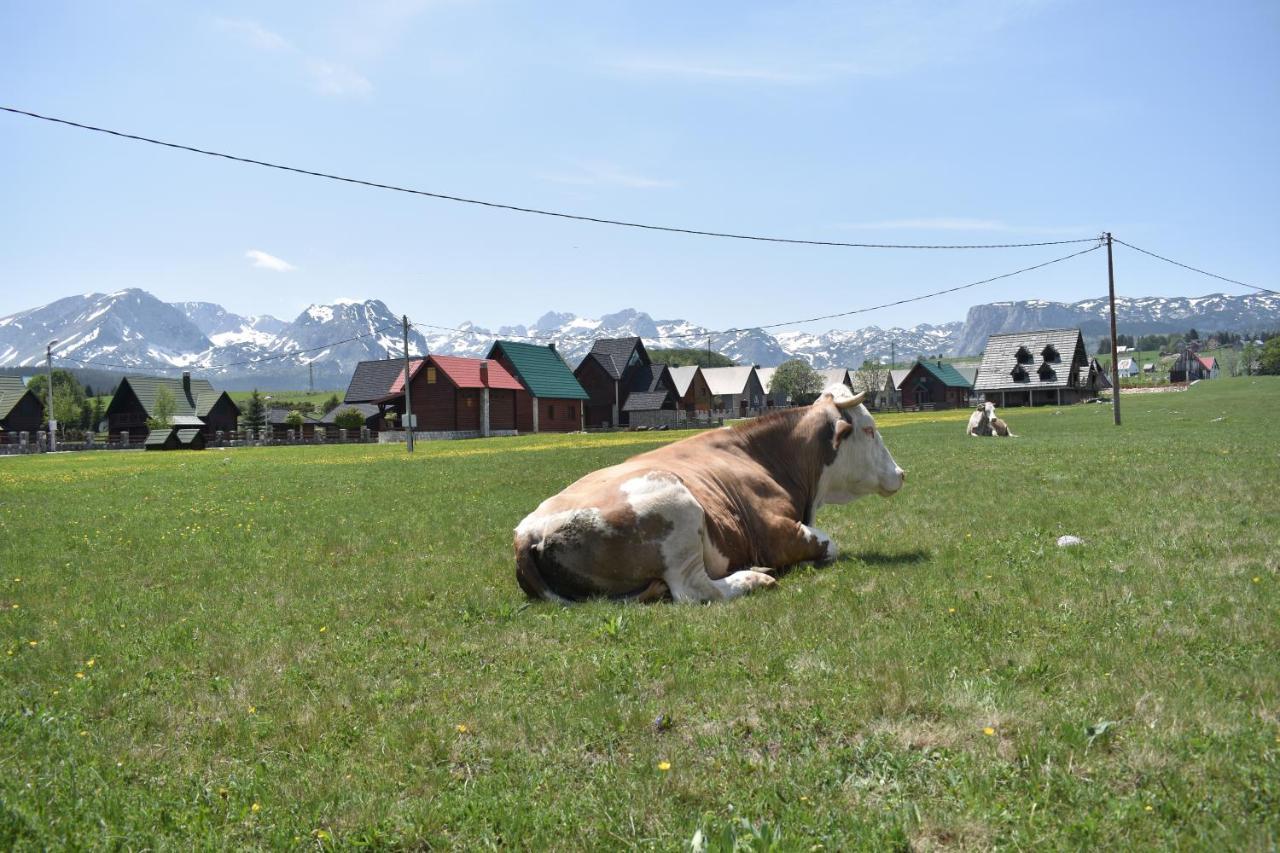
[(985, 121)]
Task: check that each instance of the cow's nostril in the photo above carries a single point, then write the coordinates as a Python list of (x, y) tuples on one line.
[(902, 474)]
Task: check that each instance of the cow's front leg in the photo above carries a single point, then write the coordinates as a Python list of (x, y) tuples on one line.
[(795, 542)]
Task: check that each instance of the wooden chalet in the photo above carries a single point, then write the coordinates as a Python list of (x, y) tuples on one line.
[(554, 400), (20, 410), (196, 405), (612, 370), (449, 394), (656, 395), (936, 385), (1191, 367), (835, 376), (735, 390), (691, 389), (1038, 368)]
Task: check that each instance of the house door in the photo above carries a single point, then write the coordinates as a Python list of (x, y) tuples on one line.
[(922, 397)]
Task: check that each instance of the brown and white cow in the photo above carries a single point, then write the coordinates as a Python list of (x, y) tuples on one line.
[(711, 516), (980, 420)]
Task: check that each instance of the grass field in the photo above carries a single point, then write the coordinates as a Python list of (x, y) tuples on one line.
[(325, 646)]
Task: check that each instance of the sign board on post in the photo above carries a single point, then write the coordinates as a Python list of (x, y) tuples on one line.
[(410, 421)]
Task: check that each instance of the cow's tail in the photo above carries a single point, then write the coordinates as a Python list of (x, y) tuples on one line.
[(529, 573)]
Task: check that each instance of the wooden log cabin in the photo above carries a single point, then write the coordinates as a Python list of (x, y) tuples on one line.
[(555, 401), (20, 410), (196, 405)]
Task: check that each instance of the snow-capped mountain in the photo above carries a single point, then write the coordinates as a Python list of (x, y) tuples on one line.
[(132, 330), (129, 327), (1147, 315), (224, 328)]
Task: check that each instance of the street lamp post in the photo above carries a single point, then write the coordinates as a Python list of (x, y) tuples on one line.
[(53, 424)]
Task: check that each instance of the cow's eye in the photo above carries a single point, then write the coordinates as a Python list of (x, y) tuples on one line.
[(870, 431)]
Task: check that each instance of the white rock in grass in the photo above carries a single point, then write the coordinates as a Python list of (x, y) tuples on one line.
[(1069, 541)]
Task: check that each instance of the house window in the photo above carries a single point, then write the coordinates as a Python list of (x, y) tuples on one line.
[(431, 375), (551, 411), (1046, 372), (573, 413), (1019, 373), (1050, 353), (471, 401), (1024, 355)]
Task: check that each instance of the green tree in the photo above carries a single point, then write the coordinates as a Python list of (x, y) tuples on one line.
[(162, 410), (870, 377), (99, 413), (293, 420), (685, 357), (256, 413), (332, 403), (1249, 359), (798, 381), (1104, 346), (1269, 360), (349, 418), (68, 396)]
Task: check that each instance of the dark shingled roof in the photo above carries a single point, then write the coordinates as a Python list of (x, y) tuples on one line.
[(1000, 360), (366, 409), (645, 401), (11, 391), (614, 353), (373, 379), (191, 406), (541, 370)]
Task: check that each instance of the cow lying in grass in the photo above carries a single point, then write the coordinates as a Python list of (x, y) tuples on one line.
[(983, 422), (709, 517)]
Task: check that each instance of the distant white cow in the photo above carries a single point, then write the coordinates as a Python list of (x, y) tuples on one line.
[(983, 422), (980, 420)]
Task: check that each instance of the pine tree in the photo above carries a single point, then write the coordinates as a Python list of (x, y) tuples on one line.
[(256, 415)]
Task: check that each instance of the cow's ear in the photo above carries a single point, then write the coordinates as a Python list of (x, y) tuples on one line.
[(844, 429)]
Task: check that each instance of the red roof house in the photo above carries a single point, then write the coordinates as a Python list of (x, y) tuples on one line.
[(453, 394)]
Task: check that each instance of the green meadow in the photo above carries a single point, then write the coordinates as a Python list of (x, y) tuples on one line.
[(315, 647)]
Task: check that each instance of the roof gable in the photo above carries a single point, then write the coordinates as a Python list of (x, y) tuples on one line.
[(11, 392), (682, 378), (465, 372), (1064, 361), (372, 380), (615, 355), (541, 370), (725, 381)]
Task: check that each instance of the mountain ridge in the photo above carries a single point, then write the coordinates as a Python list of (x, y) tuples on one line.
[(132, 330)]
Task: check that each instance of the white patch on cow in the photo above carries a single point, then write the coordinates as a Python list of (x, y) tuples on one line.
[(821, 539), (540, 525)]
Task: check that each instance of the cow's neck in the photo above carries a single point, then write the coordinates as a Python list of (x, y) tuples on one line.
[(788, 447)]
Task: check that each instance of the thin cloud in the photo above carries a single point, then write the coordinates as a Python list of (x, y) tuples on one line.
[(962, 224), (264, 261), (328, 78), (606, 175)]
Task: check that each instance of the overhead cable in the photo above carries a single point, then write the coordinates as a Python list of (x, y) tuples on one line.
[(1195, 269), (532, 210)]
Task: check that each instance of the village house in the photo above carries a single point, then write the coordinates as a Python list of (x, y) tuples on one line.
[(772, 399), (890, 397), (372, 416), (277, 421), (835, 376), (612, 370), (452, 397), (555, 400), (1128, 366), (691, 389), (736, 391), (656, 403), (20, 410), (1201, 367), (196, 405), (934, 384), (1037, 368)]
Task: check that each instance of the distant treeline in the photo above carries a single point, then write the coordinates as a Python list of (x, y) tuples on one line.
[(97, 383)]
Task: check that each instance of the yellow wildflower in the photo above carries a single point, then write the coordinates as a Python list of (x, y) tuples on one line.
[(988, 731), (252, 710), (664, 765), (90, 662), (33, 643), (461, 728), (255, 808), (79, 675), (951, 610), (324, 628)]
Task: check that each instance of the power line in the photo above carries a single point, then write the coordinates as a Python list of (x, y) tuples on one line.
[(700, 335), (1195, 269), (532, 210)]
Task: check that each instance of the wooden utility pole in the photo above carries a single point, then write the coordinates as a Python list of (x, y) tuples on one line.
[(1115, 362), (53, 423), (408, 404)]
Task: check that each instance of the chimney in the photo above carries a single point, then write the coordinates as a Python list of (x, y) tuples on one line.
[(552, 346), (186, 383), (484, 373)]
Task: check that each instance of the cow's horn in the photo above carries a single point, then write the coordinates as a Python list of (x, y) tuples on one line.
[(852, 401)]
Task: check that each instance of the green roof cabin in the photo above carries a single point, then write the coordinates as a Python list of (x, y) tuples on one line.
[(936, 385), (20, 409), (197, 405), (555, 400)]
